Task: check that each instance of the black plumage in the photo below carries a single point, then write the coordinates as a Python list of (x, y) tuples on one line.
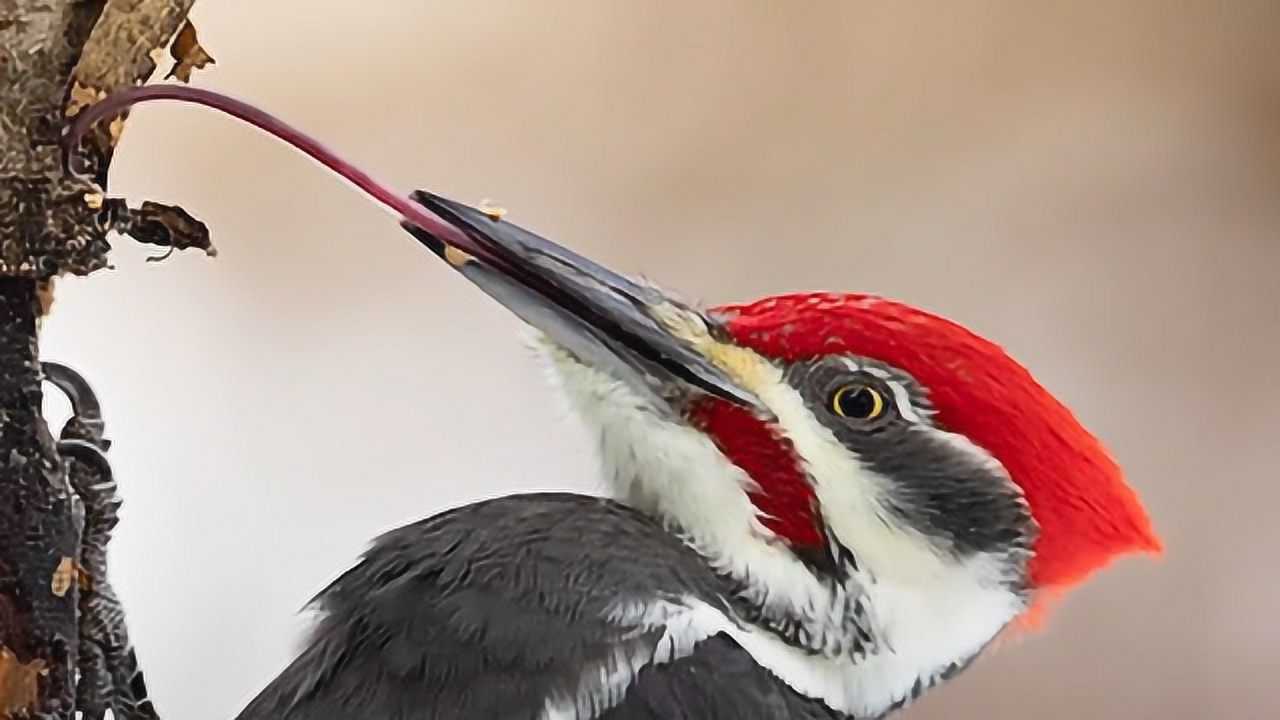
[(487, 611)]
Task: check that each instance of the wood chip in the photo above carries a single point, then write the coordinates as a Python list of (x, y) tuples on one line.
[(116, 129), (455, 257), (187, 53), (63, 575), (82, 96), (493, 211), (19, 684), (44, 293)]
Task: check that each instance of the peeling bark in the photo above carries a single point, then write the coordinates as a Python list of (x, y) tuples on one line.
[(56, 56)]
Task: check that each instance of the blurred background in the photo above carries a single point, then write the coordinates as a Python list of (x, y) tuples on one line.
[(1094, 185)]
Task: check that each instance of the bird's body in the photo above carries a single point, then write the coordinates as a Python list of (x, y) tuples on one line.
[(824, 504), (530, 607)]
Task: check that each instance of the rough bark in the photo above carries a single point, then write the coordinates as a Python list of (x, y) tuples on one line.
[(38, 630), (56, 56)]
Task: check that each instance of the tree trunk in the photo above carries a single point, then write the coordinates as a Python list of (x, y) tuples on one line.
[(56, 56)]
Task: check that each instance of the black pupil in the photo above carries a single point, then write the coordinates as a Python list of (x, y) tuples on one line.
[(857, 402)]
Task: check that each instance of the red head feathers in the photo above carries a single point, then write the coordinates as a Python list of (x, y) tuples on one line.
[(1086, 513)]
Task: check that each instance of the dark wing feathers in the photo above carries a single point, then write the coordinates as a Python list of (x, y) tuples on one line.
[(484, 611), (718, 681)]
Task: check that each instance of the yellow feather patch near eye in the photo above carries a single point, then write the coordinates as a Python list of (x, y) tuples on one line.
[(745, 367)]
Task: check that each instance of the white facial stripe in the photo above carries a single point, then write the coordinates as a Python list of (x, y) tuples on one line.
[(928, 609), (675, 472), (903, 400), (848, 493)]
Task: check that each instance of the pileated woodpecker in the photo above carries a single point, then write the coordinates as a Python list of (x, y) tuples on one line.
[(823, 505)]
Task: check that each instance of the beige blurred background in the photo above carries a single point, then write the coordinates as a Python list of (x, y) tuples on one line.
[(1095, 185)]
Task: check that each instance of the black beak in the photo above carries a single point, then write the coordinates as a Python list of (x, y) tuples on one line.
[(632, 331)]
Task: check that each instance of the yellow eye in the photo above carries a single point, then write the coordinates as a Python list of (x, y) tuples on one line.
[(858, 402)]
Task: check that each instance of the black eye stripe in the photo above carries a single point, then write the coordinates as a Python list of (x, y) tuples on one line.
[(946, 492)]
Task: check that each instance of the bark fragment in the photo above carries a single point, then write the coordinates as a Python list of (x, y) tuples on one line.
[(187, 54)]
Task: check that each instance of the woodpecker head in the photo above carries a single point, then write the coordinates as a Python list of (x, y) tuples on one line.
[(883, 483), (885, 489), (847, 415)]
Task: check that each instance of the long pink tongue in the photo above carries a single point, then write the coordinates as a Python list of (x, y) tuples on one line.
[(412, 212)]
